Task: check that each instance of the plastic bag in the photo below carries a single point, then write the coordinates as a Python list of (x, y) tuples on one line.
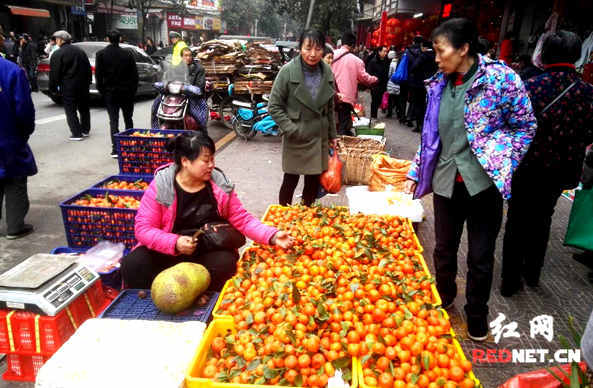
[(540, 378), (331, 179), (387, 171), (385, 101), (103, 257)]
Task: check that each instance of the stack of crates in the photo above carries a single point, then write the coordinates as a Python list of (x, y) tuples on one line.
[(30, 339), (140, 153)]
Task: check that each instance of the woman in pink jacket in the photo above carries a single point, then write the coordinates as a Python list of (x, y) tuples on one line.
[(184, 197)]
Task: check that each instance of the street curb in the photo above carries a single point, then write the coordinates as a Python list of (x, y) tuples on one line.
[(226, 140)]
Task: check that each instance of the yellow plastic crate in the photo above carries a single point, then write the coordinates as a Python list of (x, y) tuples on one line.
[(456, 344), (435, 294), (215, 314), (420, 249), (220, 326)]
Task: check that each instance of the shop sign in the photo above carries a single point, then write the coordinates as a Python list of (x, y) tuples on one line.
[(126, 22), (213, 24), (189, 23), (174, 21)]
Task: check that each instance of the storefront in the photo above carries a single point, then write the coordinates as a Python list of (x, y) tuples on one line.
[(37, 18), (194, 28)]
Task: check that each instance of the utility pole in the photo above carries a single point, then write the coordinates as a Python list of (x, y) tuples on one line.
[(311, 6)]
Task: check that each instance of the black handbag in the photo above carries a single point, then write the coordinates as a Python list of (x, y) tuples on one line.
[(218, 236)]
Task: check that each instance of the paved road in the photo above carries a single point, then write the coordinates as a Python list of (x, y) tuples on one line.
[(65, 168)]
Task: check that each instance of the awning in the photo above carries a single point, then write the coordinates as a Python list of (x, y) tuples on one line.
[(24, 11)]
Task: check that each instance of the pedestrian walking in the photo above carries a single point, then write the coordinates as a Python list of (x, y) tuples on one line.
[(302, 104), (16, 158), (563, 106), (27, 58), (50, 47), (11, 47), (392, 88), (379, 67), (70, 76), (421, 66), (116, 77), (349, 71), (478, 126)]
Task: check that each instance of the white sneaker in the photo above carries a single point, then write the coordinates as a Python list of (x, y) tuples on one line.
[(75, 138)]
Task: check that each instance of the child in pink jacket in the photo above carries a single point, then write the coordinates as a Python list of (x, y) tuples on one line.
[(182, 198)]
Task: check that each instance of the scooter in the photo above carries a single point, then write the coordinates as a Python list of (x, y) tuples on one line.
[(249, 118), (173, 110)]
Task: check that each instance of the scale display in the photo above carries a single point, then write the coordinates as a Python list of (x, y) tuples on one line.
[(44, 284)]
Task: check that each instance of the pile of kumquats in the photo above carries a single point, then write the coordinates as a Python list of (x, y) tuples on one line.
[(353, 287)]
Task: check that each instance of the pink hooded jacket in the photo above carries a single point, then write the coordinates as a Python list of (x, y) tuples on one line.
[(156, 215), (349, 71)]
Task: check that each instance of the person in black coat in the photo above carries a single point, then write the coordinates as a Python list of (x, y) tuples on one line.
[(379, 67), (27, 58), (116, 76), (70, 75), (421, 65)]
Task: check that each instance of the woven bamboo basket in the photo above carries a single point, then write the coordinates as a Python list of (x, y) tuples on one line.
[(356, 154)]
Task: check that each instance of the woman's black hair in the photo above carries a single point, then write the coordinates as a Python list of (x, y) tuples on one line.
[(561, 47), (459, 31), (189, 145), (327, 50), (316, 37), (484, 45)]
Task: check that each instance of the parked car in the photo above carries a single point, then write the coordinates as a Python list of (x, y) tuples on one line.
[(159, 55), (148, 71)]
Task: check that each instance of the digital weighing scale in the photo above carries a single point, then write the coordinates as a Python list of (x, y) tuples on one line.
[(44, 284)]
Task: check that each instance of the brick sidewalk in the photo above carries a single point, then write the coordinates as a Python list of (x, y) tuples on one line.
[(255, 168)]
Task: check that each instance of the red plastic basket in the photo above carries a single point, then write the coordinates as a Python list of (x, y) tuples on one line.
[(20, 367), (33, 334)]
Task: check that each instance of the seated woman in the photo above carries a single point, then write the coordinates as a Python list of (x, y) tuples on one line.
[(196, 76), (182, 198)]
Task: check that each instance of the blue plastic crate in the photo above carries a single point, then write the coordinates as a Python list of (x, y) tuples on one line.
[(110, 278), (143, 155), (85, 226), (125, 178), (128, 305)]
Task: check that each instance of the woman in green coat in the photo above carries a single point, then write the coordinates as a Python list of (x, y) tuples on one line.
[(302, 104)]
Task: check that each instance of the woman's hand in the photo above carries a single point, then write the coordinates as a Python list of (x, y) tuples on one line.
[(282, 239), (409, 186), (185, 245)]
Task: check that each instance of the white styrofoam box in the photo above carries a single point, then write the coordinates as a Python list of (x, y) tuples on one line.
[(123, 353), (361, 200), (361, 122)]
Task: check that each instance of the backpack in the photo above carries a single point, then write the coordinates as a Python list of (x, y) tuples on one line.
[(401, 73)]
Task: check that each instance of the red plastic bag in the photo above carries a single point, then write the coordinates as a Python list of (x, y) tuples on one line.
[(331, 179), (384, 101), (540, 378)]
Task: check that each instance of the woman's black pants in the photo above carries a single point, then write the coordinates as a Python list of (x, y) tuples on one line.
[(289, 184), (142, 265), (527, 230), (483, 214)]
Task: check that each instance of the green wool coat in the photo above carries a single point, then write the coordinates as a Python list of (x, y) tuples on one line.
[(306, 126)]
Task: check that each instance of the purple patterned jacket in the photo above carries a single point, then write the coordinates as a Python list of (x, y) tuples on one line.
[(499, 121)]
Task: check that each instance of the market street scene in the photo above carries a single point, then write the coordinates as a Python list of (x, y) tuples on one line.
[(374, 194)]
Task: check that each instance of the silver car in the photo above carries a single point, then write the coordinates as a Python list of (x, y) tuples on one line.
[(148, 71)]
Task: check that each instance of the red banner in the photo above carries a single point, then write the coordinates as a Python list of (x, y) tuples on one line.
[(174, 21)]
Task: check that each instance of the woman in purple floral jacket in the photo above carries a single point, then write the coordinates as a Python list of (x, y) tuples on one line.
[(478, 125)]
